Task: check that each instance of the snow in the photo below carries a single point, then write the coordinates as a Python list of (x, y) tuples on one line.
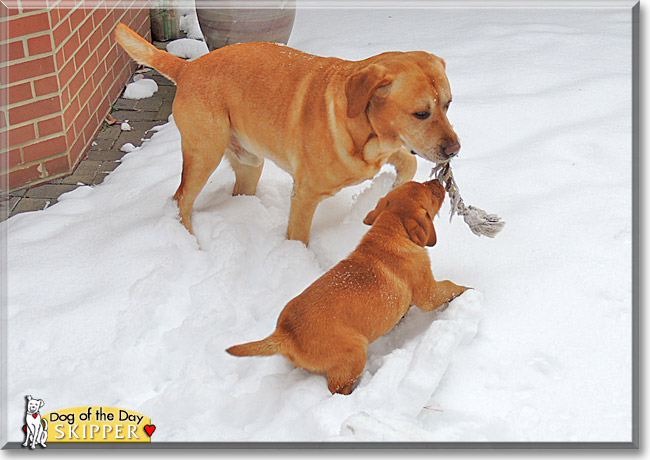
[(128, 147), (188, 21), (111, 301), (141, 88), (187, 48)]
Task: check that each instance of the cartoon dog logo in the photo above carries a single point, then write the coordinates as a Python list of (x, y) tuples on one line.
[(35, 426)]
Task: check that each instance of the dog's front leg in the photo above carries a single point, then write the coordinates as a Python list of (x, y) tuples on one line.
[(438, 294), (303, 206), (27, 431), (405, 164), (35, 435)]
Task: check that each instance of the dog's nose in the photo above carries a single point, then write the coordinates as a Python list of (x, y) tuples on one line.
[(451, 149)]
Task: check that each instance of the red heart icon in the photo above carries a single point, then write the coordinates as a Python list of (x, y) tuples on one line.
[(150, 429), (34, 415)]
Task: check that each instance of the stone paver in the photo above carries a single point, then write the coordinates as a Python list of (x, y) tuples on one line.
[(104, 154)]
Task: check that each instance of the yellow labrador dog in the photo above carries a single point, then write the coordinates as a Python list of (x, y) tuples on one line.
[(328, 122)]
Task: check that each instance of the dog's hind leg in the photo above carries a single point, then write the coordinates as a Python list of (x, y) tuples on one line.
[(202, 154), (247, 172), (344, 372)]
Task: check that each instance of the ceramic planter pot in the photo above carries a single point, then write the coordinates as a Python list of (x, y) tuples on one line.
[(222, 25)]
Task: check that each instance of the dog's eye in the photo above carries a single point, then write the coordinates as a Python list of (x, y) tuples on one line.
[(421, 115)]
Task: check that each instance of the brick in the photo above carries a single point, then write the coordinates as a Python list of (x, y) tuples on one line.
[(70, 46), (21, 135), (90, 66), (19, 93), (95, 39), (81, 120), (39, 45), (50, 126), (46, 85), (86, 91), (86, 27), (3, 119), (66, 73), (7, 12), (77, 17), (28, 25), (76, 83), (16, 50), (44, 149), (34, 110), (30, 69), (90, 130), (61, 32), (70, 136), (77, 150), (96, 99), (23, 176), (81, 55), (59, 14), (71, 112), (57, 165), (104, 47), (97, 16), (15, 158)]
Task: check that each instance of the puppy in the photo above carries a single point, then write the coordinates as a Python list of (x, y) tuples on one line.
[(328, 122), (327, 328), (36, 427)]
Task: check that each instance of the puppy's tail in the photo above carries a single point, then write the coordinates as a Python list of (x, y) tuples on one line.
[(145, 53), (267, 347)]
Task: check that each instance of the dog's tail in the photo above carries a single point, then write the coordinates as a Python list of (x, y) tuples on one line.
[(267, 347), (145, 53)]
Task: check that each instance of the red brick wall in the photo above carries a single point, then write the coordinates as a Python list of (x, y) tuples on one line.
[(61, 71)]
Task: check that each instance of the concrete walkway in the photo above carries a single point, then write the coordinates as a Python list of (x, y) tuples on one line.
[(105, 154)]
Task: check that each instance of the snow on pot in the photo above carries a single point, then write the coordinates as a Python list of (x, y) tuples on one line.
[(223, 24)]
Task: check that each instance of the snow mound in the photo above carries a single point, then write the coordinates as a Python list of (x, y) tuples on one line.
[(140, 89), (187, 48)]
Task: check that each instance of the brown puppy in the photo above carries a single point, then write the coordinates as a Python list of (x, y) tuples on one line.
[(329, 123), (327, 328)]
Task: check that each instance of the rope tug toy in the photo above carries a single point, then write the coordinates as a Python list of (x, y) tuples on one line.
[(478, 221)]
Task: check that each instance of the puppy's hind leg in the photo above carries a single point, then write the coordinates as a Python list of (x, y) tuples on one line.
[(350, 359)]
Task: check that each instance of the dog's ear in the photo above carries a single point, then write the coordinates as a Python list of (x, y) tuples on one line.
[(372, 215), (420, 228), (41, 403), (361, 85), (28, 397)]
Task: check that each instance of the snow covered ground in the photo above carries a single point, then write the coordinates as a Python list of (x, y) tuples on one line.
[(112, 302)]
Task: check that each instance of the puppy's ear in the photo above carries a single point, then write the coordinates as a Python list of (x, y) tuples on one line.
[(420, 228), (372, 215), (41, 403), (361, 85), (28, 397)]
